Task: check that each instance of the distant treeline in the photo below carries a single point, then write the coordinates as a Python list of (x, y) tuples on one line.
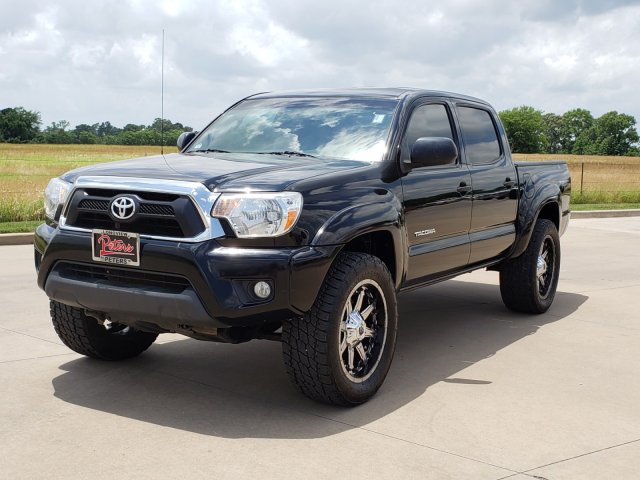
[(529, 131), (575, 132), (18, 125)]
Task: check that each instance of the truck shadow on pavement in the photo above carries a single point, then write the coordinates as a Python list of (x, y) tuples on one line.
[(239, 391)]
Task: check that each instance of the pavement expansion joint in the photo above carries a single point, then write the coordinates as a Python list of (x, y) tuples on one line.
[(529, 471), (37, 358), (342, 422), (619, 287), (18, 332)]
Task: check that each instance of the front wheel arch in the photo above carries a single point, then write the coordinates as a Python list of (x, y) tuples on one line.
[(380, 244), (312, 346)]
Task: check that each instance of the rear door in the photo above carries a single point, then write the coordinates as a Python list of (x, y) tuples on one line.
[(437, 200), (494, 181)]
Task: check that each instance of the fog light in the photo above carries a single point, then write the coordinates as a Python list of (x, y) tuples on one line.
[(262, 289)]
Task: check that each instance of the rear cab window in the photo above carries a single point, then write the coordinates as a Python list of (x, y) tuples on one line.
[(479, 135)]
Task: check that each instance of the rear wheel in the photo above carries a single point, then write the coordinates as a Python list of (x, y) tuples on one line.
[(109, 341), (528, 283), (341, 351)]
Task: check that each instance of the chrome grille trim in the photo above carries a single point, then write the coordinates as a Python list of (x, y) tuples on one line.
[(200, 195)]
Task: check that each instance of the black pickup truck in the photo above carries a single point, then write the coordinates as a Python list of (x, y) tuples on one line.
[(298, 217)]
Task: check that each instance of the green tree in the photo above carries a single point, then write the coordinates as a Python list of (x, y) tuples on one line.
[(574, 123), (86, 138), (84, 133), (171, 137), (83, 127), (105, 129), (57, 133), (159, 123), (171, 130), (611, 134), (131, 127), (18, 125), (553, 127), (525, 129)]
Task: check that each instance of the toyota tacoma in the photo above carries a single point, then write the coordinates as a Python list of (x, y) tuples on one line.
[(299, 217)]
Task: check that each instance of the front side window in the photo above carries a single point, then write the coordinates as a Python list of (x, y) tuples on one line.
[(333, 127), (479, 135), (430, 120)]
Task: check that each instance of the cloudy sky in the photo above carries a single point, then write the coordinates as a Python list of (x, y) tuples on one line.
[(88, 61)]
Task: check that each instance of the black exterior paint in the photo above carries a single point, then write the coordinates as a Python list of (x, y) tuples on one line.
[(482, 215)]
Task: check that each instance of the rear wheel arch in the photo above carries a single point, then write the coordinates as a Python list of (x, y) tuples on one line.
[(550, 211), (528, 283)]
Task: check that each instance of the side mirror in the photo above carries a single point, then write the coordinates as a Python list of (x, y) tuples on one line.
[(433, 151), (184, 139)]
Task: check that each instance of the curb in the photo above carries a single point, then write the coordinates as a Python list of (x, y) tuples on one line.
[(632, 212), (16, 238)]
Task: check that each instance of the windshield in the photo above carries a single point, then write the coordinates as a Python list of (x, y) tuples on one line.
[(345, 128)]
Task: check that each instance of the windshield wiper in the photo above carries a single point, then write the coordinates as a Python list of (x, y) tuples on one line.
[(288, 152), (206, 150)]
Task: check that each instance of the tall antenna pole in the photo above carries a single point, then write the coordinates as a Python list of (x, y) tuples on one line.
[(162, 98)]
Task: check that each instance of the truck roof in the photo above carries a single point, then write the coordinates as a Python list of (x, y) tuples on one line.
[(388, 92)]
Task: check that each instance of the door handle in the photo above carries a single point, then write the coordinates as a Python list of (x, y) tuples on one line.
[(509, 183), (464, 188)]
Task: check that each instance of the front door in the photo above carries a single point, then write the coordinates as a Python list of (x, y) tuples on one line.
[(437, 200)]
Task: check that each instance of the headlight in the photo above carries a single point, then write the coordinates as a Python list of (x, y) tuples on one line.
[(54, 196), (259, 214)]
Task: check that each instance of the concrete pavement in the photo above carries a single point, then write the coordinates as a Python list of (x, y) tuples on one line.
[(475, 391)]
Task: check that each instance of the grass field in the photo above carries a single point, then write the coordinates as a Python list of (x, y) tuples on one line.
[(26, 169), (19, 227), (598, 179)]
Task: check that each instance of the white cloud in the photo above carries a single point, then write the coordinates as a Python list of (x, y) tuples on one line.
[(145, 49), (87, 55), (93, 61), (269, 46)]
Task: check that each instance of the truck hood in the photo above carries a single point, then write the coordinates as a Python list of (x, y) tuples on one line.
[(221, 170)]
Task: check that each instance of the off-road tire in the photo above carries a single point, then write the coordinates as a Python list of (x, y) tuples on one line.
[(312, 345), (519, 283), (84, 335)]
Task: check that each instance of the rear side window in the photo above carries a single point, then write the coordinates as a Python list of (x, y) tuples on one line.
[(426, 121), (479, 134)]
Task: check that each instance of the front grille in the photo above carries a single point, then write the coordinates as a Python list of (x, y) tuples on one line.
[(151, 196), (123, 277), (155, 209), (159, 214), (99, 205)]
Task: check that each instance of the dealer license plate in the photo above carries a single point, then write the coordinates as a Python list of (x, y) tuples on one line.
[(117, 248)]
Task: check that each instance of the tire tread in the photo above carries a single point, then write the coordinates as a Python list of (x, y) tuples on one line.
[(518, 284), (304, 340), (84, 335)]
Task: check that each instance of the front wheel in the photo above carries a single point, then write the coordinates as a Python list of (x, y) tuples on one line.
[(341, 350), (109, 341), (528, 283)]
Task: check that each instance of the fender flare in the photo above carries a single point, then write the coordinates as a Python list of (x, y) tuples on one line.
[(357, 220), (529, 211)]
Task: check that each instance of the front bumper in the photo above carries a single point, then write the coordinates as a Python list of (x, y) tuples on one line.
[(211, 288)]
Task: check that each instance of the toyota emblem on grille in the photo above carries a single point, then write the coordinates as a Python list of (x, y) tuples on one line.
[(123, 208)]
